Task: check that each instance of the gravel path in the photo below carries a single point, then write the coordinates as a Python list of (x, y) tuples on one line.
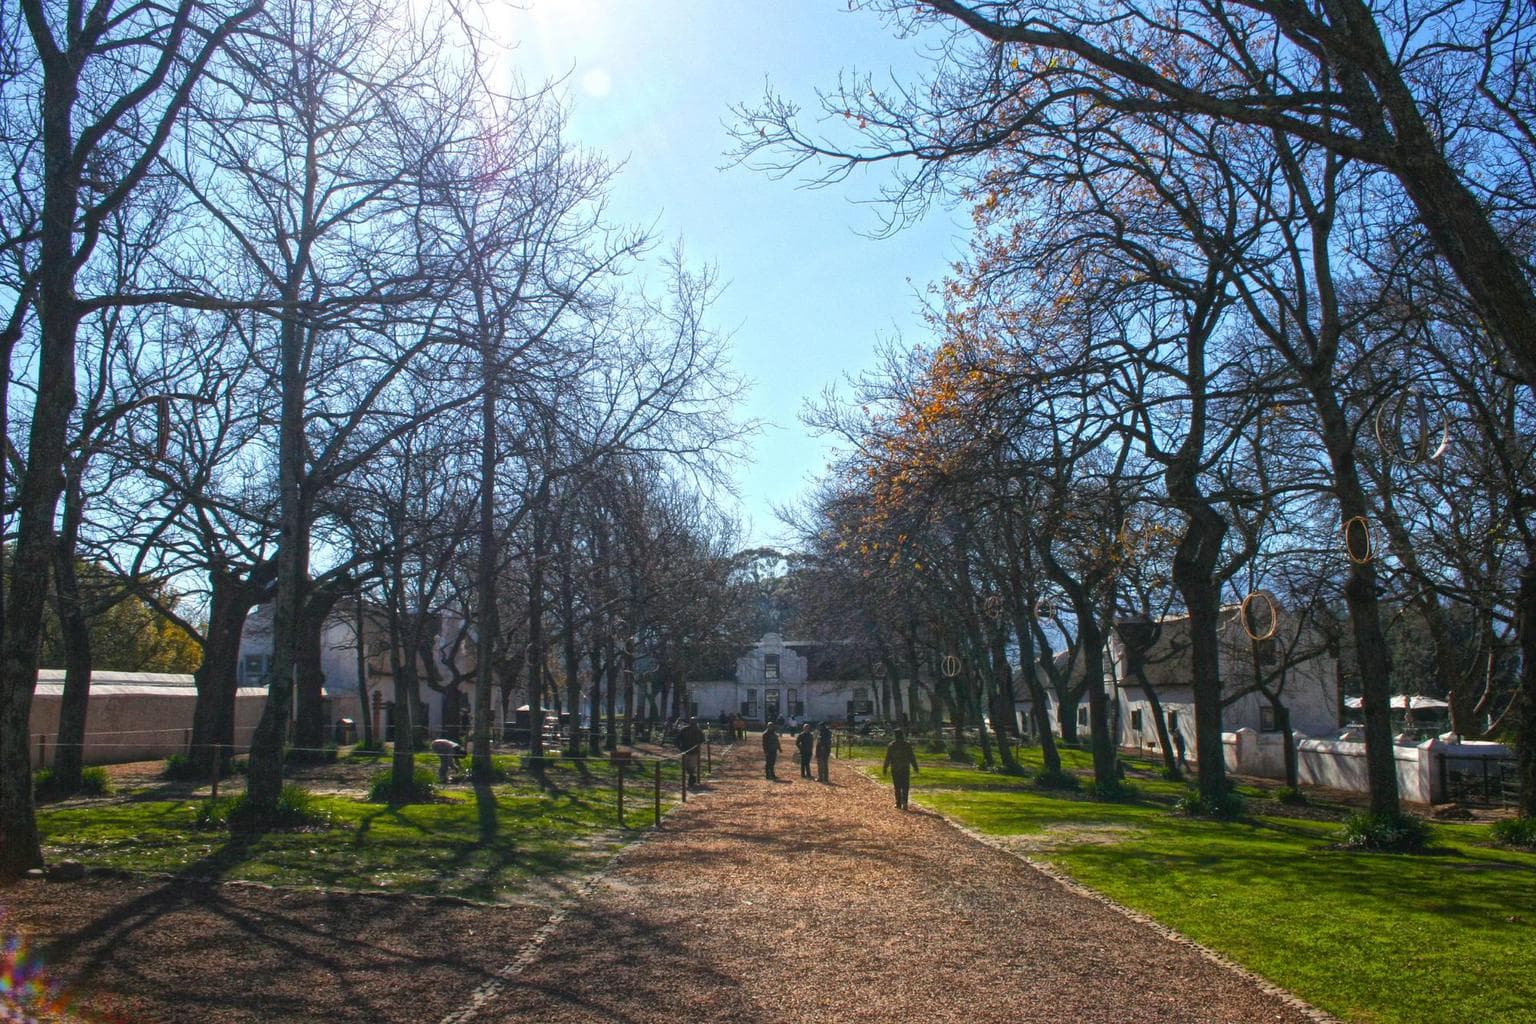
[(794, 901)]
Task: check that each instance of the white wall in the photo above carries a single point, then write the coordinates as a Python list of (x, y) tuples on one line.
[(133, 722), (1341, 764)]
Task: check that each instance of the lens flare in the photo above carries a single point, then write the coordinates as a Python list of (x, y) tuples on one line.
[(27, 994)]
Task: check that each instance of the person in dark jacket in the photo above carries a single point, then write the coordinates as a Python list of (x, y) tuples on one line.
[(823, 752), (770, 748), (805, 745), (900, 762), (690, 740)]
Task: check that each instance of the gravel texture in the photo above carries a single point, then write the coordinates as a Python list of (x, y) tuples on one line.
[(796, 901), (758, 901)]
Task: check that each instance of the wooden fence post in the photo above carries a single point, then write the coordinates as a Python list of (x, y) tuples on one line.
[(657, 762), (619, 766)]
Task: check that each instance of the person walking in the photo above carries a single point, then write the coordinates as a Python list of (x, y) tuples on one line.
[(770, 748), (900, 762), (690, 740), (823, 752), (805, 743)]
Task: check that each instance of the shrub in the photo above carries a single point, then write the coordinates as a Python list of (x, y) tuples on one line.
[(180, 768), (1387, 833), (1294, 797), (1226, 807), (93, 782), (381, 787), (1114, 789), (1047, 779), (296, 810), (1516, 832)]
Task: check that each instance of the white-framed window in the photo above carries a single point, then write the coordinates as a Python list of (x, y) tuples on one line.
[(1173, 721), (1268, 720), (770, 666), (1082, 717), (1136, 719)]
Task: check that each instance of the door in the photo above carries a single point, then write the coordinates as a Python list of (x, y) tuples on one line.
[(770, 705)]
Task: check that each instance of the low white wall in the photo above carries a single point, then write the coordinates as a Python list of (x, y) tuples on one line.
[(1341, 764), (142, 723)]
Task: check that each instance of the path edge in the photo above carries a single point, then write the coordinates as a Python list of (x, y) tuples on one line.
[(493, 986)]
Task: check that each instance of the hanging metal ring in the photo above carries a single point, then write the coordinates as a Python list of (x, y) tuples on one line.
[(1357, 540), (1426, 411), (1245, 616)]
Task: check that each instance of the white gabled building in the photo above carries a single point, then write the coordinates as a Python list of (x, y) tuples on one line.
[(1307, 683), (795, 680)]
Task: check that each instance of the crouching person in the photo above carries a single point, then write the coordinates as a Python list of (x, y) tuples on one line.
[(448, 754)]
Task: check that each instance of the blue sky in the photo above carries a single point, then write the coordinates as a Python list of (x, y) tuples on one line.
[(809, 295)]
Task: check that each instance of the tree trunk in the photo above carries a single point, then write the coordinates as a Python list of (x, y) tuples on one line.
[(536, 653), (41, 482), (75, 631), (1525, 718), (309, 727), (217, 676), (1371, 652)]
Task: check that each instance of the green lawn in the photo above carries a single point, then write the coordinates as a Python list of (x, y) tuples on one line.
[(1448, 936), (478, 844)]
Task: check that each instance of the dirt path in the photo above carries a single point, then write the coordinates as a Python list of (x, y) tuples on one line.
[(794, 901)]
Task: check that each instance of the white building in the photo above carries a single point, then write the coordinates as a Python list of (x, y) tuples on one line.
[(1299, 670), (339, 663), (796, 680)]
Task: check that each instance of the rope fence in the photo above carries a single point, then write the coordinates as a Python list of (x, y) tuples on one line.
[(618, 761)]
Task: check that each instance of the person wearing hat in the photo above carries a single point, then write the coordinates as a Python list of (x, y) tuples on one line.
[(900, 761)]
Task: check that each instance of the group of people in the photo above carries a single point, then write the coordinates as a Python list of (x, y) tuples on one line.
[(900, 758), (809, 742)]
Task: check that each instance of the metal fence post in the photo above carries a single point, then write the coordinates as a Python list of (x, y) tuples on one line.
[(619, 766), (657, 763)]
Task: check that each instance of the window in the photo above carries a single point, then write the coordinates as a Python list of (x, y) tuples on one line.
[(1082, 717), (1268, 720), (770, 666), (1173, 721), (1136, 719), (255, 668), (861, 693)]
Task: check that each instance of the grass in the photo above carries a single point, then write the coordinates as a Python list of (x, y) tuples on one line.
[(1378, 938), (483, 844)]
